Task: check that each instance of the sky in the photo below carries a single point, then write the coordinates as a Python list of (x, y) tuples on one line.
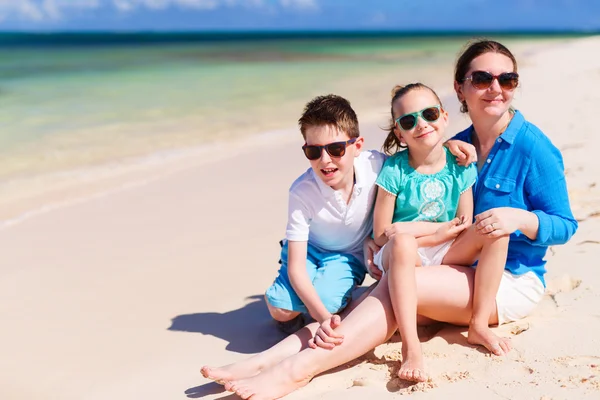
[(210, 15)]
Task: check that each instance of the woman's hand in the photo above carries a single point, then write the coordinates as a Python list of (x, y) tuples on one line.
[(326, 337), (501, 221), (464, 152)]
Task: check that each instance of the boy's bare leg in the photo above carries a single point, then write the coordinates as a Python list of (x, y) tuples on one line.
[(492, 253), (400, 258), (286, 348), (371, 323)]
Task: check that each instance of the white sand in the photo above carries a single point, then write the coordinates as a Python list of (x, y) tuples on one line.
[(126, 295)]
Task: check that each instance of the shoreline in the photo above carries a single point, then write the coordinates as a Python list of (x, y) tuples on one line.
[(25, 197)]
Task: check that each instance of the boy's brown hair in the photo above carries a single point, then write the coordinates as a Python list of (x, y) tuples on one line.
[(329, 110)]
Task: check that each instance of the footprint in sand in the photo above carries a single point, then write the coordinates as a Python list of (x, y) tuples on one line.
[(562, 284)]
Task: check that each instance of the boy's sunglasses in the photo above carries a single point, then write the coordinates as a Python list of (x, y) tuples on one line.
[(483, 80), (409, 121), (335, 149)]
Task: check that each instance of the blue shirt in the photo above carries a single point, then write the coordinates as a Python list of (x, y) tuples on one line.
[(420, 197), (525, 170)]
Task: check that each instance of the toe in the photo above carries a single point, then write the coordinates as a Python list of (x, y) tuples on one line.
[(230, 386), (496, 349)]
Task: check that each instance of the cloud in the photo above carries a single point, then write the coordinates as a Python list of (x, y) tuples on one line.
[(53, 10), (130, 5), (300, 4), (40, 10)]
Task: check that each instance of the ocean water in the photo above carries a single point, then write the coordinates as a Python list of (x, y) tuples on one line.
[(77, 102)]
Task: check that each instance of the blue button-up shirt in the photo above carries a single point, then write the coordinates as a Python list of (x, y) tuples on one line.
[(525, 170)]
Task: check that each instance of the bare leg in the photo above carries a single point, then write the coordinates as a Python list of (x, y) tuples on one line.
[(368, 325), (281, 315), (444, 294), (400, 259), (255, 364), (492, 254), (286, 348)]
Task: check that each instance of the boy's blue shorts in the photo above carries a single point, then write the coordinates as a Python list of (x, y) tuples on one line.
[(334, 276)]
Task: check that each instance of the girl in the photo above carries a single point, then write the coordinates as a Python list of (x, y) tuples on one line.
[(421, 192)]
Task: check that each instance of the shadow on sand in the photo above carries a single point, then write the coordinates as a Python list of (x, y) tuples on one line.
[(248, 330)]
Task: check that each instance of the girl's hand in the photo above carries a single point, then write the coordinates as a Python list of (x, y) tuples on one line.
[(451, 229), (464, 152), (370, 248), (500, 221), (393, 229)]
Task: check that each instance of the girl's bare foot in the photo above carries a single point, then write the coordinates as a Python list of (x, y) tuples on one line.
[(272, 383), (483, 335), (412, 368), (239, 370)]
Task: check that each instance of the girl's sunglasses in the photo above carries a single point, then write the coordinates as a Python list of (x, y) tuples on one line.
[(409, 121), (483, 80), (335, 149)]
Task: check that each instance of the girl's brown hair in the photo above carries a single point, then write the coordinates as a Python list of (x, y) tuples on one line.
[(392, 143)]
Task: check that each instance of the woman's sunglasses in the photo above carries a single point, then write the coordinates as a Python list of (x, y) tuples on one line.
[(409, 121), (335, 149), (483, 80)]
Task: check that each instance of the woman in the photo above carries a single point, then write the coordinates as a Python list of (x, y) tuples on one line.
[(520, 191)]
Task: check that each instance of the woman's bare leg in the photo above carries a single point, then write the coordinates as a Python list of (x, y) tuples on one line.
[(399, 259), (492, 254), (289, 346), (371, 323), (443, 292)]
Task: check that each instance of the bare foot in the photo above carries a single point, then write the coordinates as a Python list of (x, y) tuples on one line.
[(272, 383), (483, 335), (412, 368), (239, 370)]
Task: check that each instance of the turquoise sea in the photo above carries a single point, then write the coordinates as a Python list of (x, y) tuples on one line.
[(69, 102)]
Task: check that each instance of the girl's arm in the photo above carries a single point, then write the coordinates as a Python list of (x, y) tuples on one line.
[(382, 215), (451, 229), (466, 206)]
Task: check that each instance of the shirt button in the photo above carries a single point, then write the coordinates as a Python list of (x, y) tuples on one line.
[(497, 186), (489, 160), (499, 140)]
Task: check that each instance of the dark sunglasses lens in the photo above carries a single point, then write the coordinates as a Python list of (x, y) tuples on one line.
[(312, 152), (407, 122), (336, 149), (508, 80), (481, 79), (431, 114)]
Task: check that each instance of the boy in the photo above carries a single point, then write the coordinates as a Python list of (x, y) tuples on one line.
[(330, 215)]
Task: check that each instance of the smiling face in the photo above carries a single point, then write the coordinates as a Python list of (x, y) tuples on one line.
[(425, 135), (335, 172), (493, 101)]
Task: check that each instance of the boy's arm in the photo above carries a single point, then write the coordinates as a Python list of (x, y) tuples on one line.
[(297, 252)]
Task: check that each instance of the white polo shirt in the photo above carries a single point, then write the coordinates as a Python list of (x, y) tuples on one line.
[(318, 214)]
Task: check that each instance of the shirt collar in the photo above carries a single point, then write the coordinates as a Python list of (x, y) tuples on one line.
[(510, 133)]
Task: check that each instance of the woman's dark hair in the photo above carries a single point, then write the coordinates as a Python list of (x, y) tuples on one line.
[(471, 52)]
